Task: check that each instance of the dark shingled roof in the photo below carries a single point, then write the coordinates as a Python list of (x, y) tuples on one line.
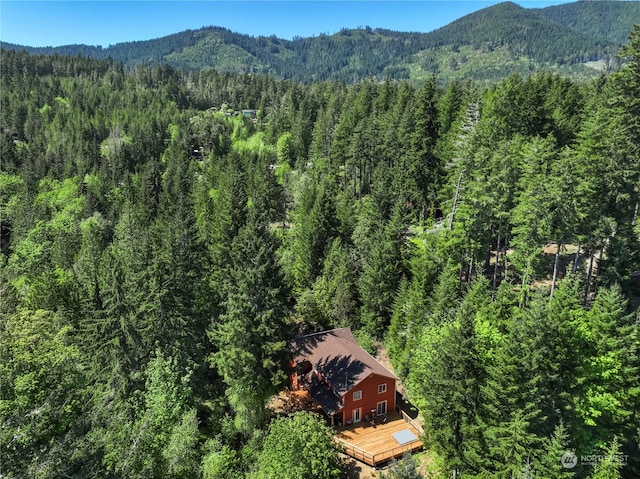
[(325, 397), (337, 356)]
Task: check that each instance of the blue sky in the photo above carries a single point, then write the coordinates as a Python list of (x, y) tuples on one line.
[(54, 23)]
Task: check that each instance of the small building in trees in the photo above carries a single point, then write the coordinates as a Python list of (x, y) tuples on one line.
[(347, 382), (251, 114)]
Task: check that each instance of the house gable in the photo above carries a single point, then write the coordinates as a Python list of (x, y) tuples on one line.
[(370, 397), (340, 368)]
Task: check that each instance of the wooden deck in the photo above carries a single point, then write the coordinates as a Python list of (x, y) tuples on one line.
[(375, 445), (288, 402)]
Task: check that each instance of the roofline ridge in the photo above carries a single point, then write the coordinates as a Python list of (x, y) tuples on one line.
[(325, 331), (383, 366)]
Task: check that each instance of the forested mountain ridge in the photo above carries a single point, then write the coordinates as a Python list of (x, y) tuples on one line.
[(159, 250), (598, 19), (486, 45)]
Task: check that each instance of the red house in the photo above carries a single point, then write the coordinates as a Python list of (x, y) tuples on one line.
[(346, 381)]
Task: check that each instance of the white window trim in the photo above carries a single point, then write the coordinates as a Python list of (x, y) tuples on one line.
[(359, 415), (359, 393), (383, 390)]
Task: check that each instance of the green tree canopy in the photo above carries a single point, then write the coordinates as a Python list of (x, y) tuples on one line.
[(298, 446)]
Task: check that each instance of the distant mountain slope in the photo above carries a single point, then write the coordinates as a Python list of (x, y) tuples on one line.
[(523, 32), (611, 21), (485, 45)]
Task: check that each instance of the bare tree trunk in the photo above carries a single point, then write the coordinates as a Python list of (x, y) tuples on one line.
[(589, 273), (284, 213), (522, 287), (487, 259), (470, 270), (555, 270), (504, 259), (360, 175), (595, 282), (455, 199), (461, 270), (575, 260), (355, 181), (495, 266), (345, 175)]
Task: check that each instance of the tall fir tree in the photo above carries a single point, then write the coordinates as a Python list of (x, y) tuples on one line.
[(250, 337)]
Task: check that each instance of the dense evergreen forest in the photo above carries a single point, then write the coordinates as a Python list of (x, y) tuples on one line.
[(159, 250), (577, 39)]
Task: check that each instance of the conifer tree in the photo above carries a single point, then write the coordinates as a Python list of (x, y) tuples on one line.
[(382, 272), (315, 227), (531, 215), (549, 462), (558, 356), (175, 302), (335, 291), (139, 446), (627, 82), (225, 213), (609, 391), (250, 338), (609, 467), (425, 167), (450, 381)]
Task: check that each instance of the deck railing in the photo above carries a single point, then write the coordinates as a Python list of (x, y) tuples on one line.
[(408, 419), (379, 458), (356, 452)]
